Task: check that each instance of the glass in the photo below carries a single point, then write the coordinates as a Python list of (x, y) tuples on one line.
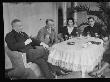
[(96, 35), (70, 37), (66, 37)]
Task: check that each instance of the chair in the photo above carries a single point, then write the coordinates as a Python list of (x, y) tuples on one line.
[(19, 61)]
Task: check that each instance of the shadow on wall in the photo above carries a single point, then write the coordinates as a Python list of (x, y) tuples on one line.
[(33, 15)]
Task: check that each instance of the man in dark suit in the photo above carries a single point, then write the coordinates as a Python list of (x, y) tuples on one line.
[(19, 41), (94, 29)]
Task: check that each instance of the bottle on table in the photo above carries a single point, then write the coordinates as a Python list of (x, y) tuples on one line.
[(88, 34), (80, 35), (77, 34)]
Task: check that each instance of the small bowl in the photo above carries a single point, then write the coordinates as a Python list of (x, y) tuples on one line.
[(70, 43)]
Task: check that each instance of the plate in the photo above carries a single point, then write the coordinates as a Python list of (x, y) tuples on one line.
[(93, 42), (70, 43)]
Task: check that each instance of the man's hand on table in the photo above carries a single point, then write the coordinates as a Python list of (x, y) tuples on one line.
[(44, 45)]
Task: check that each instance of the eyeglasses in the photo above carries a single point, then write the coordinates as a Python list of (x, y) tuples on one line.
[(91, 21), (51, 25)]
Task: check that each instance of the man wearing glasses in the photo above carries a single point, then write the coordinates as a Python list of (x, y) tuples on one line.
[(47, 34)]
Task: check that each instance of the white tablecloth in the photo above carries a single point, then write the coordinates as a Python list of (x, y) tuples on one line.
[(81, 56)]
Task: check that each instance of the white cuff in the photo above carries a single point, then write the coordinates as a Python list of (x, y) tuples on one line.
[(41, 43)]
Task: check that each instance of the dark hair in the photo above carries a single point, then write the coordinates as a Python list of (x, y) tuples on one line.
[(91, 18), (70, 19), (14, 21), (49, 20)]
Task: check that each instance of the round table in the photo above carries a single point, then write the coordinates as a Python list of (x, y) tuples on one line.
[(82, 56)]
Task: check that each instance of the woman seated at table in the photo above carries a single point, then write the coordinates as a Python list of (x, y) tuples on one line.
[(70, 30), (106, 60)]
